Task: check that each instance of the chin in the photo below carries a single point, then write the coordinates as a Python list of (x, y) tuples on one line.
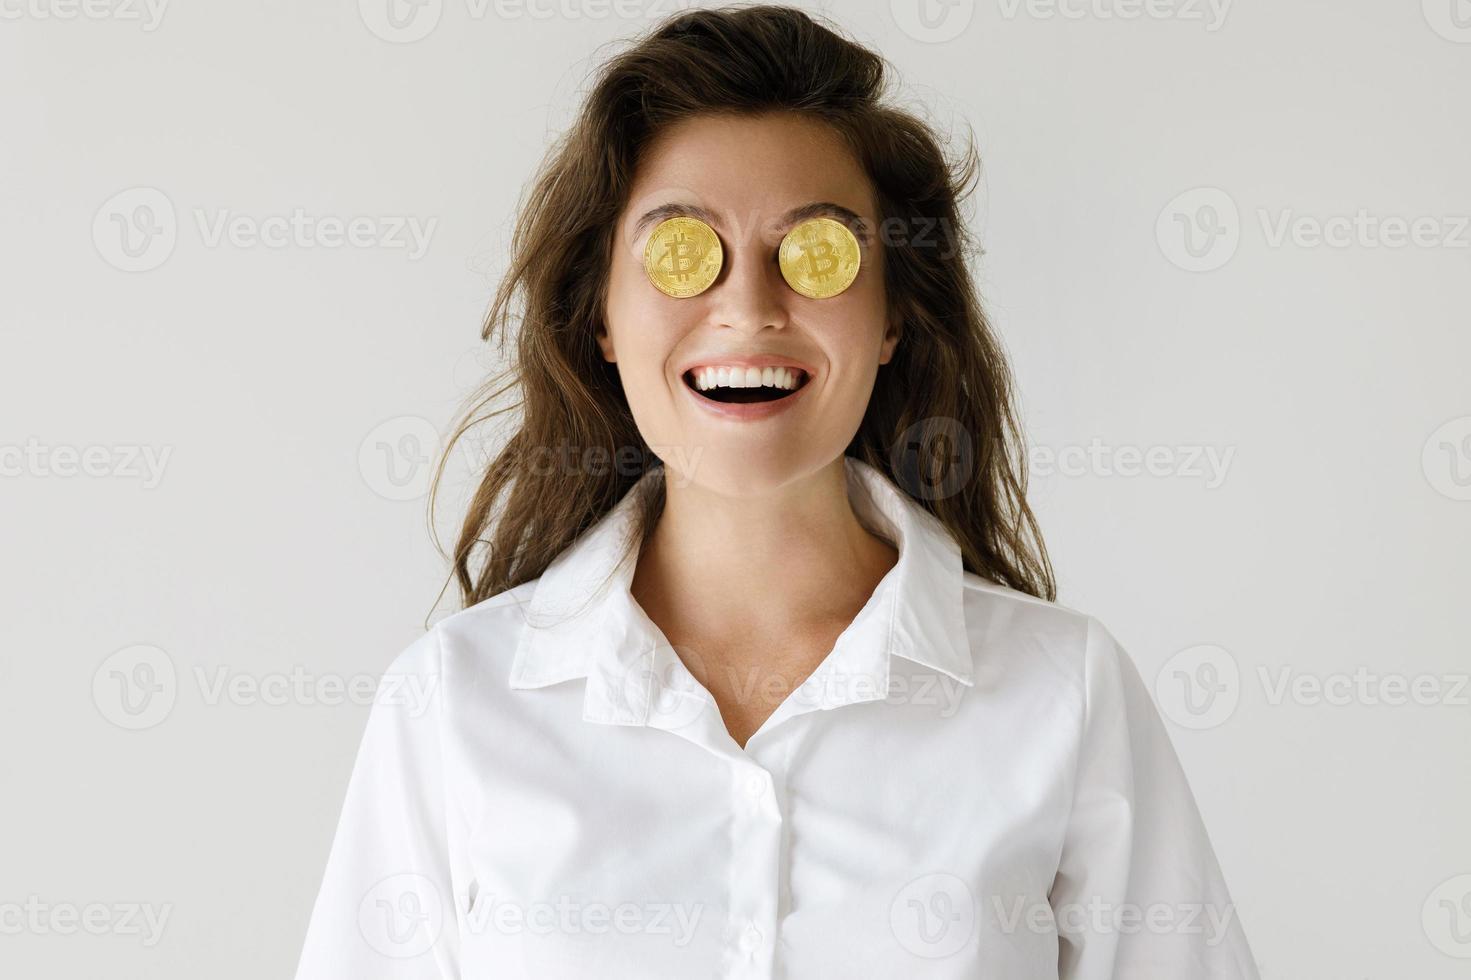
[(742, 472)]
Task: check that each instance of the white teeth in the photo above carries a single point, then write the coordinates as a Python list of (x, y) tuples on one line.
[(751, 377)]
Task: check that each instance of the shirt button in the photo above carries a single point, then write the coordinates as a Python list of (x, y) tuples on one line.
[(750, 938), (756, 784)]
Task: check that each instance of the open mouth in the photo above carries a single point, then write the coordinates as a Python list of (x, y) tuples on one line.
[(744, 385)]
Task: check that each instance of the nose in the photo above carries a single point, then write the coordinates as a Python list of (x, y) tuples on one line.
[(750, 294)]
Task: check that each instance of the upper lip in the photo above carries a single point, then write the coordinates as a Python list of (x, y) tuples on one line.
[(745, 361)]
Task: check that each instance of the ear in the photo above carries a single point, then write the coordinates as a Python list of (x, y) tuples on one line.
[(893, 330), (605, 342)]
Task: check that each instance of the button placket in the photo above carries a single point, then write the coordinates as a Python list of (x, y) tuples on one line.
[(756, 823)]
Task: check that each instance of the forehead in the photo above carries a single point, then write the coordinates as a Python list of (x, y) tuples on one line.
[(758, 165)]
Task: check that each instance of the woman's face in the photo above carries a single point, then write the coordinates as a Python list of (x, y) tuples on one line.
[(748, 178)]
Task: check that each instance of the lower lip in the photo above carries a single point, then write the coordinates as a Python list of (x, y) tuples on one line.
[(745, 411)]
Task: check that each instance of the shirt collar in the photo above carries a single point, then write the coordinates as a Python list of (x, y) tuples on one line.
[(583, 621)]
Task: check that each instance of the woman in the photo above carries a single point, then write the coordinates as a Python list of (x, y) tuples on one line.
[(760, 673)]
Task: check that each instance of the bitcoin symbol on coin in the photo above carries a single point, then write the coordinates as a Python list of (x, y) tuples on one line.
[(820, 258), (682, 257)]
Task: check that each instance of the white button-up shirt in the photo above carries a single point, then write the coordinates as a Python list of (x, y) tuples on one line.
[(974, 783)]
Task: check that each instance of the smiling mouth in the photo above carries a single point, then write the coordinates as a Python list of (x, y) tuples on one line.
[(738, 386)]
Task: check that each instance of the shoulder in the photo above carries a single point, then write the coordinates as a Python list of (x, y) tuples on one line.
[(1019, 634), (477, 640)]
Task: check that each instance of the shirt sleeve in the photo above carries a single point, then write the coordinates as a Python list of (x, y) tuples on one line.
[(386, 907), (1139, 894)]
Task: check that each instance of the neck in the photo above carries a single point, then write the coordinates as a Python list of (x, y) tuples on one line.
[(789, 559)]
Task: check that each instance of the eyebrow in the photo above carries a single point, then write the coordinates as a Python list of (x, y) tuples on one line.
[(856, 222)]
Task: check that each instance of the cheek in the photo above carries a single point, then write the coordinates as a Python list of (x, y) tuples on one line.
[(864, 313), (853, 337), (643, 332), (630, 312)]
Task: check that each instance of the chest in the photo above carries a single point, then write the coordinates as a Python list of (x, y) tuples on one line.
[(867, 840), (752, 675)]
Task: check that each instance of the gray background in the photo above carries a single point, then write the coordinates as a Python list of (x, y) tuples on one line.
[(1140, 164)]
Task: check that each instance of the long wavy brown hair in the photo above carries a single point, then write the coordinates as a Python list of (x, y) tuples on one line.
[(940, 422)]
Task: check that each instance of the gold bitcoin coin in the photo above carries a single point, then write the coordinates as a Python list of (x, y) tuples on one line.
[(820, 258), (682, 257)]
